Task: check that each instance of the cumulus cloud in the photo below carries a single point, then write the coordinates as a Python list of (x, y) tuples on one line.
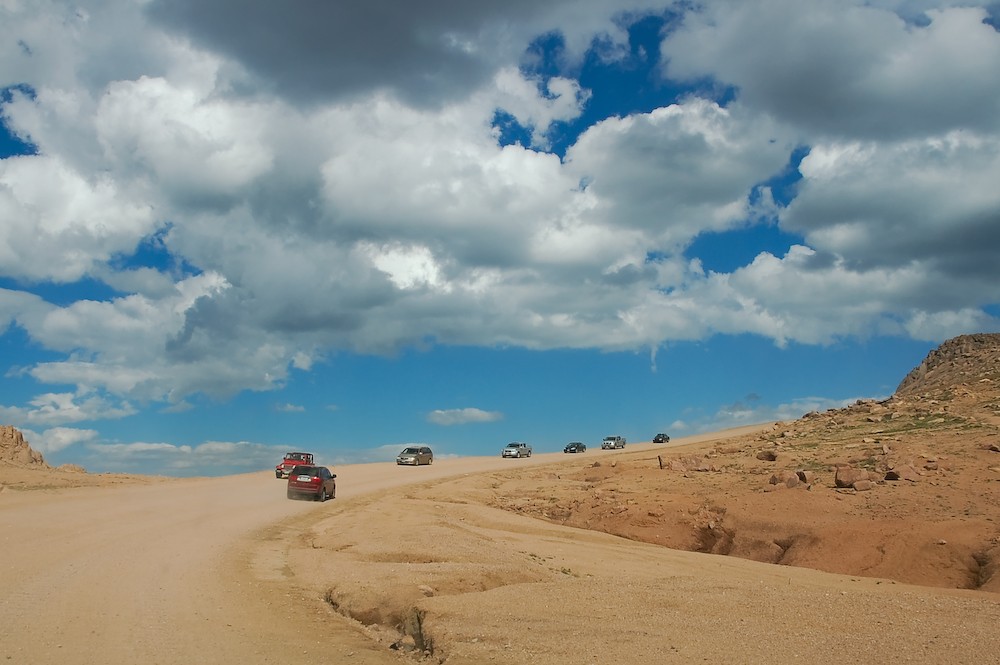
[(754, 411), (891, 204), (847, 68), (60, 225), (321, 178), (56, 439), (61, 408), (316, 51), (209, 458), (463, 416)]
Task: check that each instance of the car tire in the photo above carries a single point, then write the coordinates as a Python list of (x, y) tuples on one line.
[(321, 497), (289, 494)]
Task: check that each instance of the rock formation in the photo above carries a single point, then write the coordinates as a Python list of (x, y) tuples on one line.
[(15, 450)]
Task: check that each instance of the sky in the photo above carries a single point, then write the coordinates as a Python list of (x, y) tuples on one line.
[(230, 228)]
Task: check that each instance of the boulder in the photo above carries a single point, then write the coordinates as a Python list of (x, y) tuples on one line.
[(846, 476), (903, 472), (808, 477), (788, 479)]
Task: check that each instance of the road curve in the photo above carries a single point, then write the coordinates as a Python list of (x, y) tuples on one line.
[(153, 574)]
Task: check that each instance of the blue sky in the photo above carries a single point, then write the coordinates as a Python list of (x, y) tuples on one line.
[(231, 228)]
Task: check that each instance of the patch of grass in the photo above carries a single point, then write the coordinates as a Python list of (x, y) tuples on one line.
[(814, 464), (868, 463), (812, 445)]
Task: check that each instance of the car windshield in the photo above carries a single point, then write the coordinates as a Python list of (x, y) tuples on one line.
[(410, 451)]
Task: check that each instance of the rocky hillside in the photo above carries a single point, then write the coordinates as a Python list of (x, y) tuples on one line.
[(906, 488), (15, 450), (965, 366)]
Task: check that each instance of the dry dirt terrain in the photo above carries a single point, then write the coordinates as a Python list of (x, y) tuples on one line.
[(863, 533)]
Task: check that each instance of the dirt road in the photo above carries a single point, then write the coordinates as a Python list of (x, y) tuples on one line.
[(181, 571), (153, 574)]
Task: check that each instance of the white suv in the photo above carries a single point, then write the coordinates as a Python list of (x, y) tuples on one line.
[(516, 449), (612, 442)]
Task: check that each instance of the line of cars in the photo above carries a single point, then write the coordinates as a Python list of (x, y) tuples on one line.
[(307, 479), (612, 442)]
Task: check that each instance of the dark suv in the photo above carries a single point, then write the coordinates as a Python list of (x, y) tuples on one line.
[(661, 438), (312, 481)]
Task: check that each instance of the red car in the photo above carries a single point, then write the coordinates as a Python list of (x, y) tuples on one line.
[(291, 461), (315, 482)]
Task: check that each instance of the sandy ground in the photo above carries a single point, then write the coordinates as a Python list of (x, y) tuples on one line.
[(426, 563)]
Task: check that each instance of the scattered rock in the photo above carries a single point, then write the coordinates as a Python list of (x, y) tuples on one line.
[(847, 476), (903, 472), (789, 479)]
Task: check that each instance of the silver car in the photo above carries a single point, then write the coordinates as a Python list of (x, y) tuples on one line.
[(415, 455)]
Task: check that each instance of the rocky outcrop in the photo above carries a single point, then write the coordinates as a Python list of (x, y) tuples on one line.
[(15, 450), (963, 361)]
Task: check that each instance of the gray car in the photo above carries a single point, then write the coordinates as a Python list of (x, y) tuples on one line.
[(415, 455)]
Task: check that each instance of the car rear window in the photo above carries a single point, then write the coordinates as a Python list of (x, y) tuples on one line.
[(305, 471)]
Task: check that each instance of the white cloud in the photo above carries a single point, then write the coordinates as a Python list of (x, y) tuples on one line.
[(61, 408), (369, 207), (57, 439), (463, 416), (58, 224), (427, 55), (930, 200), (678, 171), (935, 326), (407, 267), (752, 411), (846, 68), (563, 101), (206, 459), (195, 146)]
